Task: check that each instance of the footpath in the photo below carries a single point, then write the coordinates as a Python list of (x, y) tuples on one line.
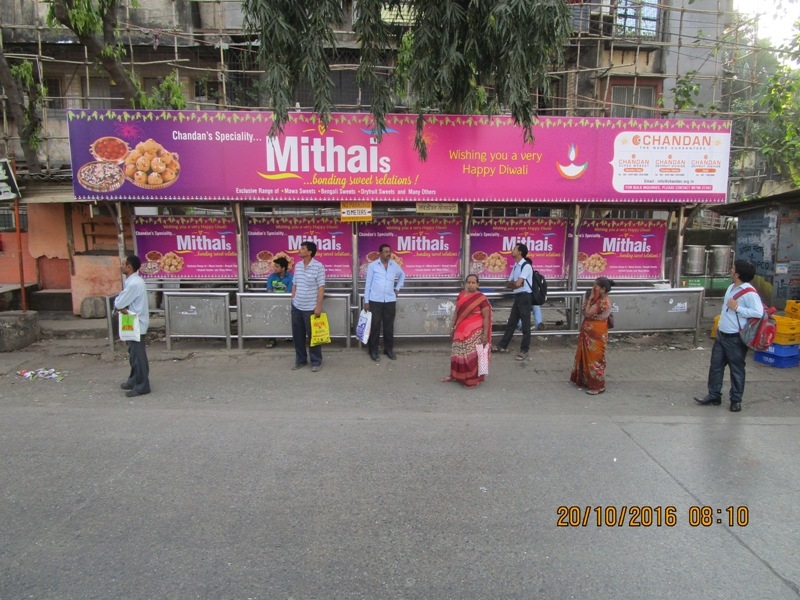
[(666, 368)]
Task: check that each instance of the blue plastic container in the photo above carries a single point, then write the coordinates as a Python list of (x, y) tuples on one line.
[(783, 350), (782, 362)]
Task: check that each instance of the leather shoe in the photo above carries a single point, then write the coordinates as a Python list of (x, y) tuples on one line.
[(708, 399), (374, 356), (736, 406), (134, 393), (126, 386), (391, 355)]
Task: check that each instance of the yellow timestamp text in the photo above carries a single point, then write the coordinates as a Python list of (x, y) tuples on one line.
[(650, 516)]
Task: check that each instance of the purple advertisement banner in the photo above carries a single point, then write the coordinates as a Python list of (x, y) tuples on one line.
[(186, 247), (196, 156), (492, 239), (619, 248), (270, 237), (423, 247)]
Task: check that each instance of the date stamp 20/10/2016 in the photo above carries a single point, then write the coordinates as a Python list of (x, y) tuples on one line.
[(650, 516)]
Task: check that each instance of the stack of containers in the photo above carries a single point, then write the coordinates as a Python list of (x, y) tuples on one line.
[(785, 349)]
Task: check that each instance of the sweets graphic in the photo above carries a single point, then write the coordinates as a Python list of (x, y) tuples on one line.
[(148, 165)]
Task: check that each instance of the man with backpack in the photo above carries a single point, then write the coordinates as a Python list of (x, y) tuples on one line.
[(741, 303), (520, 282)]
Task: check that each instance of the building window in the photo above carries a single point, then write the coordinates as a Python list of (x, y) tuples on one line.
[(99, 93), (636, 19), (54, 94), (633, 101)]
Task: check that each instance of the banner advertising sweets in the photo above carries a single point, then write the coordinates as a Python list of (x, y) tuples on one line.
[(186, 247), (619, 248), (270, 237), (196, 156), (492, 239), (423, 247)]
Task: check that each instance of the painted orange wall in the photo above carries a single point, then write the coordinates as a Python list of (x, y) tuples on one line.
[(94, 276), (9, 259)]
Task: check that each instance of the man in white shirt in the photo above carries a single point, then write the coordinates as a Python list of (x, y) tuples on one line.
[(728, 348), (384, 280), (520, 281), (133, 298)]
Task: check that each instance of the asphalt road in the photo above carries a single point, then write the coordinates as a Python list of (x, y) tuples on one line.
[(238, 478)]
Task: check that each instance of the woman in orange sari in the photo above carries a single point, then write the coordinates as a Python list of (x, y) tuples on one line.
[(472, 326), (590, 357)]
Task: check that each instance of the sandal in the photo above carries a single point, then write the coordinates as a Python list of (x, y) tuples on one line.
[(522, 356), (446, 379), (595, 392), (499, 349)]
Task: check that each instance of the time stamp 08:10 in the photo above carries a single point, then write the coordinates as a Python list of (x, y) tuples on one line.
[(650, 516)]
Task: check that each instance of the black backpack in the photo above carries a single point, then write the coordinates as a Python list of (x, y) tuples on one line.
[(539, 287)]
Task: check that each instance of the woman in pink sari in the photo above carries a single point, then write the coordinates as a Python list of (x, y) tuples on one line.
[(472, 326), (590, 357)]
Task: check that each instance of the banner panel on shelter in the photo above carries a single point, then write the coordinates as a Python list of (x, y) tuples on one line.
[(619, 248), (492, 239), (180, 247), (422, 246), (196, 156), (271, 237)]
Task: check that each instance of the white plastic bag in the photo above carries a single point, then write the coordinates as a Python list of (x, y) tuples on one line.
[(129, 327), (364, 325), (483, 358)]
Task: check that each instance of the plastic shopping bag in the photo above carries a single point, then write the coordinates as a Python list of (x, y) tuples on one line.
[(129, 327), (364, 325), (320, 332), (483, 358)]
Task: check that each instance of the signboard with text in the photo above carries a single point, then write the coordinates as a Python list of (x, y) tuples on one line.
[(620, 248), (271, 237), (492, 239), (197, 156), (180, 247), (422, 246)]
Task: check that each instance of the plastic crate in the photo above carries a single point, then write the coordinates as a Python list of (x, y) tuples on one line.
[(782, 362), (786, 324), (792, 309), (780, 350), (786, 339)]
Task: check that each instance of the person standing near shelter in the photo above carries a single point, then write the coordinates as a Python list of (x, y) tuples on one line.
[(308, 288), (385, 279), (133, 299), (589, 368), (729, 349), (520, 281), (279, 282)]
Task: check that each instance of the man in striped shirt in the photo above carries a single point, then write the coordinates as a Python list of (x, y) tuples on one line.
[(308, 287)]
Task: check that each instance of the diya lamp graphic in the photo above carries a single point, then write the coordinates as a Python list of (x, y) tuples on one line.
[(572, 170)]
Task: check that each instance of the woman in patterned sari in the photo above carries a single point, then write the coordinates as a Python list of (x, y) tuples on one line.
[(472, 326), (590, 357)]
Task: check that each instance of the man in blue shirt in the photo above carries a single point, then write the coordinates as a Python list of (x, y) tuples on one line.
[(133, 299), (280, 280), (729, 349), (520, 282), (384, 279)]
